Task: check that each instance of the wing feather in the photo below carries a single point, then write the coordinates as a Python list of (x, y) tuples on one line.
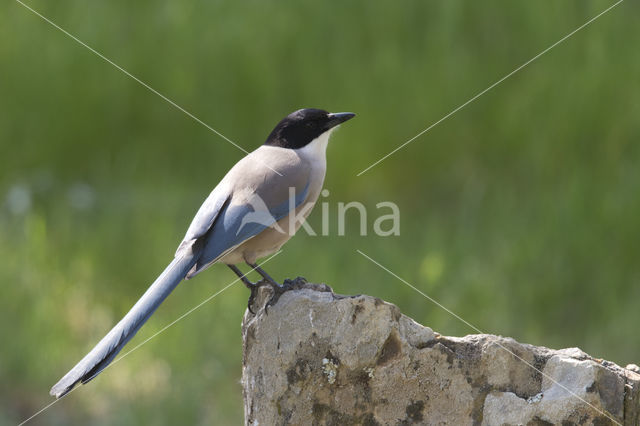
[(251, 198)]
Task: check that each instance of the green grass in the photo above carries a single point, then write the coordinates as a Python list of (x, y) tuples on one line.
[(519, 213)]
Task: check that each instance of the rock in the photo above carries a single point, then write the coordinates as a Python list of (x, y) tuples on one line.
[(633, 367), (320, 358)]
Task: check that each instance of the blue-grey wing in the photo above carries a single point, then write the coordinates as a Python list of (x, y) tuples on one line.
[(250, 198), (236, 223), (205, 218)]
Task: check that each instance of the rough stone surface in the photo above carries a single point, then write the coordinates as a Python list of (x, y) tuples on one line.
[(319, 358)]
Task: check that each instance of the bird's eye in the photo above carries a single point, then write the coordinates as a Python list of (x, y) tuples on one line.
[(312, 124)]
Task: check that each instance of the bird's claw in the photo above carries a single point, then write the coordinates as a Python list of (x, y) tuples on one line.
[(254, 291), (277, 291)]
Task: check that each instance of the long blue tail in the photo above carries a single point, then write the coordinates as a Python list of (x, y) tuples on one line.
[(107, 349)]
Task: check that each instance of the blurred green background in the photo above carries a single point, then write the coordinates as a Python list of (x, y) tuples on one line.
[(521, 213)]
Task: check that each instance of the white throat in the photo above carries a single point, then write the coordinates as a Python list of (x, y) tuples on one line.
[(316, 150)]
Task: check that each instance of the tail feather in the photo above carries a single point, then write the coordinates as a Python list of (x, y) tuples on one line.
[(111, 344)]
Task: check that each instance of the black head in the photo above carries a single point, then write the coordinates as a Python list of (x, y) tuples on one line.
[(299, 128)]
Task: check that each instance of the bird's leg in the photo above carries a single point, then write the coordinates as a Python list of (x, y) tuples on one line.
[(251, 286), (263, 273), (242, 276)]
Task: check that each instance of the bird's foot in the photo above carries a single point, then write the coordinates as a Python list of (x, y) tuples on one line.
[(254, 287), (277, 291)]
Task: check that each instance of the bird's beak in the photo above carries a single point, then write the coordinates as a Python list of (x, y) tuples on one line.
[(337, 118)]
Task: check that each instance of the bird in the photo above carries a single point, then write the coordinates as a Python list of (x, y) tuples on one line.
[(258, 205)]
